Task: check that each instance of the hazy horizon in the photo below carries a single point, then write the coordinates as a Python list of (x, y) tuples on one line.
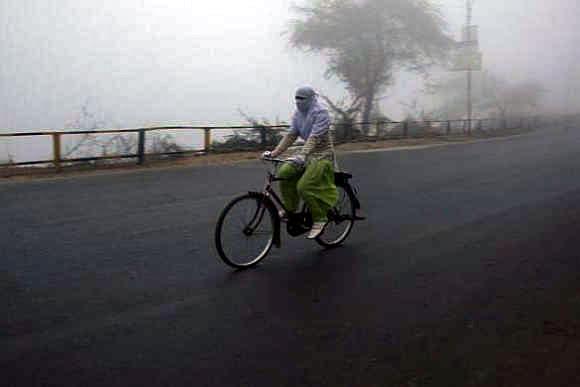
[(147, 61)]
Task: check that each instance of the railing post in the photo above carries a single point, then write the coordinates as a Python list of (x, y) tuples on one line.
[(448, 130), (378, 129), (406, 129), (56, 156), (207, 140), (141, 147)]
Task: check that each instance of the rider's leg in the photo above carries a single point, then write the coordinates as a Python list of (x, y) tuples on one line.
[(288, 187), (317, 188)]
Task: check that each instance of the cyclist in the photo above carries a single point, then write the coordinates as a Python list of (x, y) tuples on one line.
[(309, 175)]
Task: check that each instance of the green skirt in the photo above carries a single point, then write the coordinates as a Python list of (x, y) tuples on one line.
[(313, 184)]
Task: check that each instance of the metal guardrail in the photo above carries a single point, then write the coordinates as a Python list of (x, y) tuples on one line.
[(378, 127)]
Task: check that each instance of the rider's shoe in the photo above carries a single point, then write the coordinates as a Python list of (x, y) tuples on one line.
[(316, 230)]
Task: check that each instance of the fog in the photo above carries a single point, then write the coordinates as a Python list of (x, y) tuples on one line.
[(144, 62)]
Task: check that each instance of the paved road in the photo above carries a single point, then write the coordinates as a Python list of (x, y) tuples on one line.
[(112, 280)]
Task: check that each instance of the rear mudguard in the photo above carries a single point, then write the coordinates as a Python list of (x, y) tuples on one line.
[(341, 179), (271, 207)]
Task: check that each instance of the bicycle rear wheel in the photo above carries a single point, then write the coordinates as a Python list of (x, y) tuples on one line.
[(340, 220), (244, 231)]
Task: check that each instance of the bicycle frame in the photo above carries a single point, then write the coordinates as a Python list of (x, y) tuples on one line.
[(268, 198), (296, 224), (270, 203), (268, 190), (269, 193)]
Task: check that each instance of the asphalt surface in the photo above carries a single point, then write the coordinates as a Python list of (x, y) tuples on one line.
[(112, 280)]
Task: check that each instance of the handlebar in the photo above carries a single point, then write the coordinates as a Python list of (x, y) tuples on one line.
[(274, 160)]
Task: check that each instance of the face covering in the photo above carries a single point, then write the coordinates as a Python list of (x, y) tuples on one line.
[(304, 99)]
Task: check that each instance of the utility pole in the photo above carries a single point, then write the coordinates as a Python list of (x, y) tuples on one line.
[(468, 58), (469, 5)]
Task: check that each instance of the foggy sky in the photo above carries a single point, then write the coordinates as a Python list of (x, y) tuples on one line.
[(142, 62)]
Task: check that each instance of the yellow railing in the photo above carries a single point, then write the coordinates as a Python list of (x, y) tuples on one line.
[(381, 130)]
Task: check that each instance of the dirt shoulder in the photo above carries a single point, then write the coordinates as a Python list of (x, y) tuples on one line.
[(31, 173)]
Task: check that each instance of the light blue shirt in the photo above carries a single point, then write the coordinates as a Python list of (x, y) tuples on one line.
[(315, 122)]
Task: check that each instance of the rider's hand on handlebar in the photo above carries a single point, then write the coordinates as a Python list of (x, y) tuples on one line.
[(267, 155)]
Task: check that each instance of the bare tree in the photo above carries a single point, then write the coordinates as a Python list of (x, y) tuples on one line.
[(365, 41), (260, 135), (104, 145), (261, 131), (345, 115)]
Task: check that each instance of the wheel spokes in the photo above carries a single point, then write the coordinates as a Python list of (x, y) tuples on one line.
[(340, 220), (246, 231)]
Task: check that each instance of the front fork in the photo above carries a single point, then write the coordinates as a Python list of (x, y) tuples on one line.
[(265, 204)]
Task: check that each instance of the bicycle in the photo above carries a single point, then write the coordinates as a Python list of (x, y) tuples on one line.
[(251, 222)]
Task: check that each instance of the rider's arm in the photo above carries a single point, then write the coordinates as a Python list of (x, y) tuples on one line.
[(287, 140), (284, 144)]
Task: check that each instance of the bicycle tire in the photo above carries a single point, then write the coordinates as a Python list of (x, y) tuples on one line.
[(348, 214), (263, 211)]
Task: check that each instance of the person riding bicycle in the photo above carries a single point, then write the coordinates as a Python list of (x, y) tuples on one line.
[(308, 175)]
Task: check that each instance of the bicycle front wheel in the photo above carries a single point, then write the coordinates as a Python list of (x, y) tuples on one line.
[(244, 232)]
